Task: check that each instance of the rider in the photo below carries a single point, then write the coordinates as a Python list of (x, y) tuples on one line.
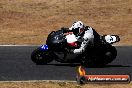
[(84, 34)]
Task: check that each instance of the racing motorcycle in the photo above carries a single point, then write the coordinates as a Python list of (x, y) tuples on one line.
[(98, 54)]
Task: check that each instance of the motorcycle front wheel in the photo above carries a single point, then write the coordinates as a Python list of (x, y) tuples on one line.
[(39, 56)]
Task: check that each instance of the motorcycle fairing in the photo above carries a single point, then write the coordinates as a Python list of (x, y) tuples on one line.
[(71, 38)]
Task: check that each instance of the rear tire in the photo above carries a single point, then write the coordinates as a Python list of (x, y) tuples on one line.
[(110, 54), (100, 60), (39, 57)]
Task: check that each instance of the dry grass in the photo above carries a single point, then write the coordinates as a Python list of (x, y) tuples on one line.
[(30, 21), (52, 84)]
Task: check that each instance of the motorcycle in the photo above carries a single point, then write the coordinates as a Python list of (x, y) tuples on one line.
[(98, 54)]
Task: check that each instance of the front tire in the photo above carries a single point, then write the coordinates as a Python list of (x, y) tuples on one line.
[(39, 56)]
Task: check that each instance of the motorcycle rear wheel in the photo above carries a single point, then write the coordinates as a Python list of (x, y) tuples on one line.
[(110, 54), (100, 60)]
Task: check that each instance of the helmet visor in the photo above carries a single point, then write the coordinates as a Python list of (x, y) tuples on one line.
[(75, 31)]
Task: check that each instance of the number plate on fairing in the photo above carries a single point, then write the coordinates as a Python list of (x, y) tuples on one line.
[(44, 47)]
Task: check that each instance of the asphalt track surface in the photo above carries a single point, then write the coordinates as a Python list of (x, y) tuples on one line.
[(16, 65)]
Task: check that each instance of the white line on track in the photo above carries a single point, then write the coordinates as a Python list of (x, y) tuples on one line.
[(42, 44), (38, 81), (20, 45)]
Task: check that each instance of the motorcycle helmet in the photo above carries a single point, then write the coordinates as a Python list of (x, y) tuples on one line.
[(77, 27)]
